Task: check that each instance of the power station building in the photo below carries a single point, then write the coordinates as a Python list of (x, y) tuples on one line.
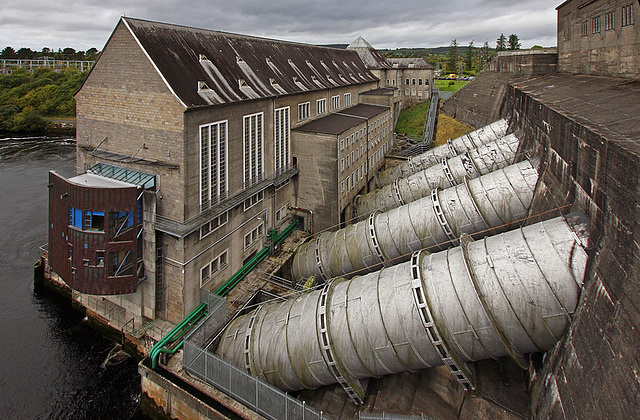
[(192, 144)]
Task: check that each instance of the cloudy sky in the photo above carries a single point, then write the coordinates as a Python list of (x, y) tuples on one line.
[(82, 24)]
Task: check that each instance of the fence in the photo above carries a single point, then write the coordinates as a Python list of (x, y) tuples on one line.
[(263, 398), (387, 416)]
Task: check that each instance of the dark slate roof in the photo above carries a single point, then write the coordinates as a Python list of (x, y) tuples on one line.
[(205, 67), (342, 121)]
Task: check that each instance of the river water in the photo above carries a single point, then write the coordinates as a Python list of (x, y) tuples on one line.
[(51, 361)]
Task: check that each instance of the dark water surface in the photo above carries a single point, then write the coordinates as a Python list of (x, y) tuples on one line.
[(51, 361)]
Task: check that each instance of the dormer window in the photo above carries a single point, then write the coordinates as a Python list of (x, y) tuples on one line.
[(239, 60), (269, 60), (242, 83), (202, 86), (203, 57)]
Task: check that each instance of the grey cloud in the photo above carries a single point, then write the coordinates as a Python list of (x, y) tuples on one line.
[(404, 23)]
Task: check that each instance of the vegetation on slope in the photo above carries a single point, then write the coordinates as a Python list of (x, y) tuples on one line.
[(449, 128), (450, 85), (411, 120), (27, 99)]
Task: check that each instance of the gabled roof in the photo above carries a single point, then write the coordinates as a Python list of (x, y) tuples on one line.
[(204, 67)]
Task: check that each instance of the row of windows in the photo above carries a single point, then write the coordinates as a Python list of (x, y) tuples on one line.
[(409, 81), (626, 19), (119, 221), (304, 109), (253, 200), (214, 225), (209, 270)]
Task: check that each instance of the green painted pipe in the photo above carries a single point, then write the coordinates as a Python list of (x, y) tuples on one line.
[(173, 334), (179, 330)]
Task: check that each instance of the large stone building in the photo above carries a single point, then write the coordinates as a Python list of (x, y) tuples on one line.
[(599, 37), (191, 145), (413, 77)]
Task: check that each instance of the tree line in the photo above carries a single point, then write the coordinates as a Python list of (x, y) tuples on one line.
[(475, 59), (62, 54), (27, 99)]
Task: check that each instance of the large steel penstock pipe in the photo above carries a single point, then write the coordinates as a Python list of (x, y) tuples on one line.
[(449, 172), (491, 201), (504, 295), (453, 148)]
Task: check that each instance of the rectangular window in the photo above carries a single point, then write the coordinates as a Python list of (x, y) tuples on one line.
[(413, 81), (347, 99), (99, 258), (342, 164), (335, 102), (627, 15), (214, 224), (254, 236), (585, 28), (304, 111), (94, 221), (566, 24), (253, 149), (419, 82), (342, 144), (595, 25), (282, 139), (321, 106), (213, 163), (253, 200), (347, 161), (281, 213), (406, 82), (609, 21), (342, 186)]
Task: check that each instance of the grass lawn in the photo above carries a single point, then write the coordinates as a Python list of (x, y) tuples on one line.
[(443, 85), (411, 120), (448, 128)]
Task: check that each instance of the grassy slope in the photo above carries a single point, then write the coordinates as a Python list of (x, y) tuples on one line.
[(448, 128), (411, 120)]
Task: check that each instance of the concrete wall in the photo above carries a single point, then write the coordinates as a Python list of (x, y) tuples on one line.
[(584, 49), (593, 372), (317, 186), (482, 101)]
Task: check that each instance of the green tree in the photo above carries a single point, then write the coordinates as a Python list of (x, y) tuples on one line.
[(501, 44), (25, 53), (484, 54), (8, 52), (469, 56), (514, 42), (452, 57)]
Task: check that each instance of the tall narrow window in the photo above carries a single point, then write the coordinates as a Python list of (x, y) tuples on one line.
[(321, 106), (253, 149), (335, 102), (281, 142), (213, 163), (347, 99), (609, 19), (595, 25), (627, 15)]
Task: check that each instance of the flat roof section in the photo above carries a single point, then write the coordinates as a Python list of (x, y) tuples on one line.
[(92, 180), (387, 91), (606, 105), (339, 122)]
